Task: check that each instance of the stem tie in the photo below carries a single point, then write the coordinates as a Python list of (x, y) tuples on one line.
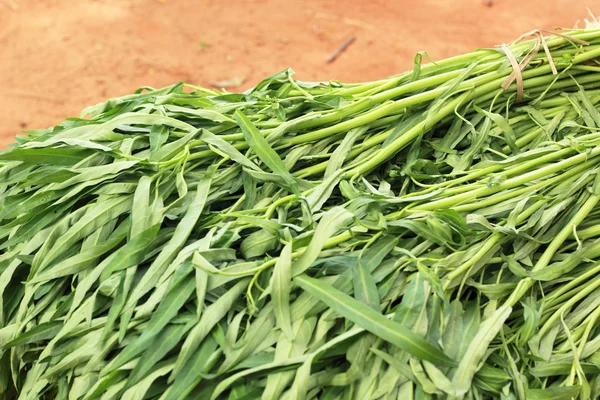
[(519, 67)]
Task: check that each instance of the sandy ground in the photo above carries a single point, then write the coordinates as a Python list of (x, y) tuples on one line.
[(58, 56)]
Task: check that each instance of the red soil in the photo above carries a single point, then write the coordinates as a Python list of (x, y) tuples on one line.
[(58, 56)]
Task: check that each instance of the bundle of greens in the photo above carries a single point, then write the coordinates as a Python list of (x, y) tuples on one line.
[(422, 236)]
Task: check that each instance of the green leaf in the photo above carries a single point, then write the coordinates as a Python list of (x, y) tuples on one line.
[(162, 344), (477, 348), (286, 348), (365, 289), (210, 115), (211, 316), (52, 156), (169, 251), (201, 288), (227, 149), (281, 283), (255, 336), (82, 260), (125, 282), (509, 134), (96, 216), (159, 134), (140, 214), (191, 375), (132, 253), (86, 144), (39, 333), (373, 321), (167, 310), (258, 243), (395, 363), (341, 152), (322, 192), (413, 302), (553, 393), (170, 150), (139, 390), (330, 223), (264, 151)]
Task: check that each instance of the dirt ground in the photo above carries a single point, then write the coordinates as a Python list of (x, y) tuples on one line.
[(58, 56)]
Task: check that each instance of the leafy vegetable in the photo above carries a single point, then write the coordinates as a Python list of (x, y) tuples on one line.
[(421, 236)]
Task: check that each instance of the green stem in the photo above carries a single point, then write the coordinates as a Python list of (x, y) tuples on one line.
[(525, 284), (511, 183), (580, 169), (583, 293), (488, 245)]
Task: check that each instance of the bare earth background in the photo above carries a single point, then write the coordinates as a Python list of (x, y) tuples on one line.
[(58, 56)]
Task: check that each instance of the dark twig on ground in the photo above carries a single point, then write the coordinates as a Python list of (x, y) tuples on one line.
[(341, 49)]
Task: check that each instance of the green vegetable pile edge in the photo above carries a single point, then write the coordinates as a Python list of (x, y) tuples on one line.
[(419, 237)]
